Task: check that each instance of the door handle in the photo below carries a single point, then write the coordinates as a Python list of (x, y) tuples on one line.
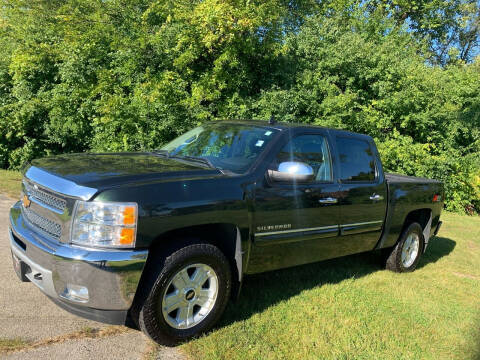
[(328, 200), (376, 197)]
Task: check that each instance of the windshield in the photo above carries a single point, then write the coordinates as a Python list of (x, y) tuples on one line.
[(226, 146)]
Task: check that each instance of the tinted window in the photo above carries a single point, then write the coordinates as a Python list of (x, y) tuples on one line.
[(357, 162), (309, 149)]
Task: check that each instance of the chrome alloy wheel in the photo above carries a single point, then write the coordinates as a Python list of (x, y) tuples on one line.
[(190, 296), (410, 250)]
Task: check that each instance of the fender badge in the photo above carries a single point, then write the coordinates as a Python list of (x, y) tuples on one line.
[(274, 227), (26, 201)]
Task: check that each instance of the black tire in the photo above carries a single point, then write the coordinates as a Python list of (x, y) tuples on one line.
[(149, 302), (394, 259)]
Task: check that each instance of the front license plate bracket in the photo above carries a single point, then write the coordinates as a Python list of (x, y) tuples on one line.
[(21, 269)]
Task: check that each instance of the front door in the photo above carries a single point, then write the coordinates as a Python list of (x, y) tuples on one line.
[(296, 223)]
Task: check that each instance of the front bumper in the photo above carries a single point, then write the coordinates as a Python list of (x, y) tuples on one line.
[(111, 276)]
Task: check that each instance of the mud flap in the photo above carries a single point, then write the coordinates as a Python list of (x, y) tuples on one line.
[(427, 232)]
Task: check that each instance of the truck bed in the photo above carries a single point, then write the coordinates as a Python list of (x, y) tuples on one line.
[(399, 179)]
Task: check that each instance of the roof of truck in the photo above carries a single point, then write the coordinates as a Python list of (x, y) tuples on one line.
[(283, 125)]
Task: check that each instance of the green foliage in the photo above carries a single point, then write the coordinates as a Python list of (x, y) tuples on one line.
[(458, 172), (128, 75)]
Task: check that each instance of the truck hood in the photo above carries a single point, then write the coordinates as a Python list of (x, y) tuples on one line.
[(102, 171)]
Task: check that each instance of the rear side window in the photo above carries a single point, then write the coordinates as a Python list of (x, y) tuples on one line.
[(357, 163)]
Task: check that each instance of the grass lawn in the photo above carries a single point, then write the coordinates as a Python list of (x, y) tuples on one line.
[(351, 308), (10, 183)]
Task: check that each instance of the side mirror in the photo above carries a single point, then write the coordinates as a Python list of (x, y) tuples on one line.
[(291, 171)]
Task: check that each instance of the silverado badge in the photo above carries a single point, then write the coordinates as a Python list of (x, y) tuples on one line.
[(274, 227), (26, 201)]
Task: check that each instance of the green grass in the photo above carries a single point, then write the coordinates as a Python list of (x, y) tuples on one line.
[(351, 308), (10, 183), (7, 345)]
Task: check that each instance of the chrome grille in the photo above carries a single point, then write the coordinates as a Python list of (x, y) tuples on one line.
[(45, 225), (44, 197)]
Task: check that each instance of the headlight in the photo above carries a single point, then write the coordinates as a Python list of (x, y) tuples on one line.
[(104, 224)]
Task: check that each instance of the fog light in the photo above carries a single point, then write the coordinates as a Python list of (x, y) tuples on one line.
[(75, 293)]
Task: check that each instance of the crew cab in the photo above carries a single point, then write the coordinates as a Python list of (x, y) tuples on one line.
[(163, 239)]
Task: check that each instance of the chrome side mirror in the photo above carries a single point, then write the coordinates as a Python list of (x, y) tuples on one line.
[(291, 171)]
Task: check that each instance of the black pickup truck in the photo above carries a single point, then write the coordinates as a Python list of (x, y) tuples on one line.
[(163, 239)]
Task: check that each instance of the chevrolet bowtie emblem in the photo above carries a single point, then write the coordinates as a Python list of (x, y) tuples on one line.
[(26, 201)]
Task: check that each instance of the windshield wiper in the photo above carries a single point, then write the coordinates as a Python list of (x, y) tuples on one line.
[(204, 161), (161, 152), (196, 159)]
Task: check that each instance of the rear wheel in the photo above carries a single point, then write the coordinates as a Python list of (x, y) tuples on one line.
[(405, 255), (188, 296)]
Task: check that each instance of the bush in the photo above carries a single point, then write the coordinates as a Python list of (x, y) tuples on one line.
[(458, 173)]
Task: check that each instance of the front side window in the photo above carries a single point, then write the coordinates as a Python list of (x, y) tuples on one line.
[(357, 163), (227, 146), (311, 150)]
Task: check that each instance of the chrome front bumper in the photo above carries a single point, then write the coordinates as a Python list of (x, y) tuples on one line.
[(111, 277)]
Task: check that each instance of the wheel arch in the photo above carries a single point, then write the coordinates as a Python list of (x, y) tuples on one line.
[(225, 236), (424, 218), (419, 215)]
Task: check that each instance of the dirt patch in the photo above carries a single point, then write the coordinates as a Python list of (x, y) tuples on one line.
[(473, 246), (156, 352), (151, 351), (15, 345), (467, 276)]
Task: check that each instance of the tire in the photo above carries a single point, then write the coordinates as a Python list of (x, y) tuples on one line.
[(406, 262), (167, 284)]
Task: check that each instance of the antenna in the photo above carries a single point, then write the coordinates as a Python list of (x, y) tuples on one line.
[(272, 120)]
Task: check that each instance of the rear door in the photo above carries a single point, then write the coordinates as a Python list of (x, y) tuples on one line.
[(363, 192)]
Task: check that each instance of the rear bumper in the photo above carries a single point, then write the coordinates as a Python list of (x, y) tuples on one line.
[(110, 277)]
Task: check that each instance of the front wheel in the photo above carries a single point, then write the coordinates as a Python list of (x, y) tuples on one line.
[(405, 255), (188, 296)]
